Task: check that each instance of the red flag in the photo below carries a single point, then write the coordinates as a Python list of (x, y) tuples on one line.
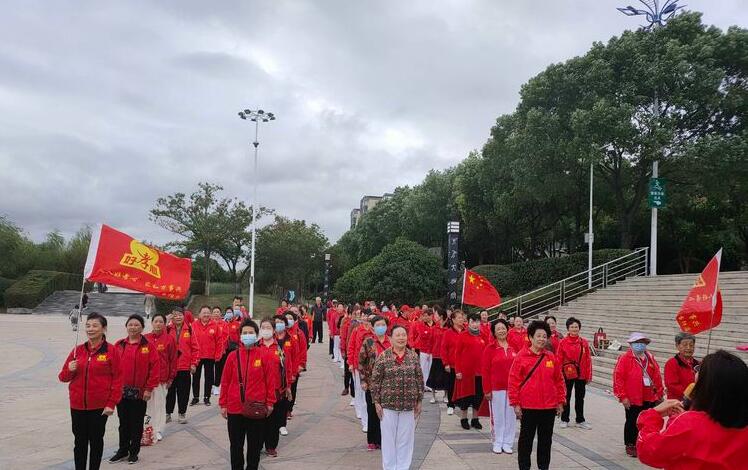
[(702, 308), (478, 291), (117, 259)]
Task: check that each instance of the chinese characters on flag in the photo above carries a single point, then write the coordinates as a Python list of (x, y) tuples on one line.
[(702, 309), (478, 291), (117, 259)]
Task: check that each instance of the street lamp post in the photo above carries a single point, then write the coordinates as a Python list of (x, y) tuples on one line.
[(256, 117), (657, 13)]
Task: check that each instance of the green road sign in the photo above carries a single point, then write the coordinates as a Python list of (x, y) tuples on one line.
[(657, 197)]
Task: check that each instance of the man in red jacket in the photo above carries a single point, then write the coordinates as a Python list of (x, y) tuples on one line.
[(209, 339), (188, 356), (679, 370)]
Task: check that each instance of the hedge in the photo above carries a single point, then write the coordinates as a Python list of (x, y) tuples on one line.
[(4, 284), (518, 278), (35, 286)]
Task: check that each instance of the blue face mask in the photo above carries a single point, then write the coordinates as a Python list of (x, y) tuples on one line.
[(238, 313), (380, 330), (290, 323), (280, 327), (639, 347), (249, 339), (228, 317)]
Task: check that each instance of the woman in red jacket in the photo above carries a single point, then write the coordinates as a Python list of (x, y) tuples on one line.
[(438, 377), (517, 336), (713, 434), (453, 328), (140, 375), (536, 391), (166, 347), (291, 355), (223, 332), (556, 336), (188, 355), (574, 354), (424, 342), (637, 384), (497, 360), (680, 369), (273, 352), (249, 380), (93, 371), (209, 338), (468, 391), (300, 341)]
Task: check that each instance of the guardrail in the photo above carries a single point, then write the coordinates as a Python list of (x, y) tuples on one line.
[(554, 295)]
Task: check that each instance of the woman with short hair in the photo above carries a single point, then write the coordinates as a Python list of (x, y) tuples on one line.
[(166, 348), (468, 390), (575, 357), (713, 433), (497, 361), (680, 370)]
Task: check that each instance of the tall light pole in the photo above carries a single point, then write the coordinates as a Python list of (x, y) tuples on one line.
[(256, 117), (657, 13), (591, 234)]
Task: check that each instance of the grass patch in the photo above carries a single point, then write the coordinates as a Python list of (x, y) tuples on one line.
[(265, 305)]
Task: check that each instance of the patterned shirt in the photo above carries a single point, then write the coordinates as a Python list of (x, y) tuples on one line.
[(397, 385)]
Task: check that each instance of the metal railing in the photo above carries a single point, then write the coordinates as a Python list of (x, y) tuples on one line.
[(541, 300)]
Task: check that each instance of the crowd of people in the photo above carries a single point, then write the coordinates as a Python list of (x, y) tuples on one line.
[(391, 358)]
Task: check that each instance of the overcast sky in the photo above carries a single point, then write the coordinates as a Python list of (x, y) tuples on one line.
[(105, 106)]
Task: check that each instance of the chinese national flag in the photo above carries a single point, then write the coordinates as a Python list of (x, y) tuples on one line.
[(478, 291), (702, 309), (117, 259)]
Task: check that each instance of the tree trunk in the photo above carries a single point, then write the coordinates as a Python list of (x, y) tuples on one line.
[(207, 271)]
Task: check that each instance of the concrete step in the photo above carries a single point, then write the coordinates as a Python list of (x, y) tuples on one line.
[(108, 303)]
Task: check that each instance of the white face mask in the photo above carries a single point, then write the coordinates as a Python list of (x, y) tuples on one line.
[(266, 334)]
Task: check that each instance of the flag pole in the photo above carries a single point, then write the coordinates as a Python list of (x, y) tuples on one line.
[(462, 296), (80, 314), (714, 301)]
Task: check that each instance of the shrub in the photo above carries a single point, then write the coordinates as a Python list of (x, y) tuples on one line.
[(35, 286), (197, 287), (4, 284)]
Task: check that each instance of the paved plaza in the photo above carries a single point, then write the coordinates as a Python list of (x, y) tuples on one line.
[(324, 434)]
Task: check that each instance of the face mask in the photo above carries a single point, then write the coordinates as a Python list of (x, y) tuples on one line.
[(280, 327), (639, 347), (249, 339), (290, 323), (474, 331), (266, 334), (380, 330), (237, 313), (228, 317)]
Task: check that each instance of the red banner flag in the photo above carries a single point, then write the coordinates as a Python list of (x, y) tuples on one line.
[(702, 308), (478, 291), (117, 259)]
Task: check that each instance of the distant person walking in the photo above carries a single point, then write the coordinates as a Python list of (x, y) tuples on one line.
[(319, 312)]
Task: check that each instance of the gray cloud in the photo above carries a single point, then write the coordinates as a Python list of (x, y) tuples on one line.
[(107, 106)]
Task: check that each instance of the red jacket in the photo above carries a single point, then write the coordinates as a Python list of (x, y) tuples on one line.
[(344, 334), (354, 345), (678, 375), (424, 337), (449, 346), (438, 332), (223, 335), (569, 350), (495, 367), (234, 330), (518, 340), (628, 379), (272, 354), (301, 346), (690, 441), (291, 353), (332, 318), (188, 350), (553, 342), (166, 347), (544, 389), (209, 338), (140, 364), (468, 355), (97, 382), (188, 318), (257, 376)]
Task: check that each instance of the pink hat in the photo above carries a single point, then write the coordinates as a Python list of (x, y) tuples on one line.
[(636, 337)]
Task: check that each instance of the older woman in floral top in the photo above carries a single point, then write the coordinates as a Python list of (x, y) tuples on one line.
[(397, 391)]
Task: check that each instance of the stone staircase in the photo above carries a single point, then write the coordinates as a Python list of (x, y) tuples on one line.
[(108, 304), (649, 305)]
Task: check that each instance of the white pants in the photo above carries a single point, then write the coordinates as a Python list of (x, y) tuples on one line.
[(398, 437), (359, 398), (504, 419), (337, 356), (425, 359), (156, 408)]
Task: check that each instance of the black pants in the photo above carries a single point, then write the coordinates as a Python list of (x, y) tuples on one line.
[(331, 345), (179, 391), (451, 388), (348, 379), (209, 366), (374, 430), (317, 331), (251, 430), (131, 414), (274, 422), (540, 421), (294, 387), (630, 431), (219, 369), (580, 387), (88, 429)]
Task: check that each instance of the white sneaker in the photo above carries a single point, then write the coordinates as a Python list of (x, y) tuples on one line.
[(353, 402), (450, 411), (342, 366), (445, 399), (564, 425), (584, 425), (283, 431), (159, 436), (216, 390), (364, 429), (507, 449), (496, 449), (433, 400), (427, 390)]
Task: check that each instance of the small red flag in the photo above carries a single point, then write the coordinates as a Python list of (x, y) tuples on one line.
[(702, 308), (117, 259), (478, 291)]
